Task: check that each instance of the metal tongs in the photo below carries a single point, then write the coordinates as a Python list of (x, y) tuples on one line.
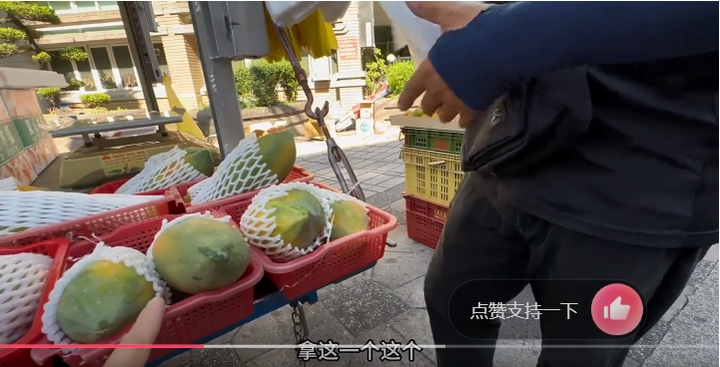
[(335, 154)]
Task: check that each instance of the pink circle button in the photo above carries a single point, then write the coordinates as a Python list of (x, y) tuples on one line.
[(617, 309)]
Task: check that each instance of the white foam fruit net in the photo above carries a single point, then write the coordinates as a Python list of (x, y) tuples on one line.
[(241, 171), (23, 210), (162, 171), (8, 184), (168, 224), (258, 222), (22, 280), (131, 257)]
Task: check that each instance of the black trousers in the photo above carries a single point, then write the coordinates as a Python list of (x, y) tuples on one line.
[(487, 239)]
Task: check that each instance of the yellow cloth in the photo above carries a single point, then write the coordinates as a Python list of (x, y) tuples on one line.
[(188, 125), (313, 35)]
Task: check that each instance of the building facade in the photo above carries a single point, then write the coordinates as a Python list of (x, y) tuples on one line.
[(96, 27)]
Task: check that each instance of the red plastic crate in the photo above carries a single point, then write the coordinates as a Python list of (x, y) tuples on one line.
[(298, 174), (58, 250), (99, 224), (186, 321), (329, 262), (425, 220)]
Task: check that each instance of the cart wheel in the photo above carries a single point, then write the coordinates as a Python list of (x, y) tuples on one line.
[(390, 243)]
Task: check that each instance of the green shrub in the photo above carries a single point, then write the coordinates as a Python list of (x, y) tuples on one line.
[(287, 80), (49, 93), (375, 72), (256, 86), (264, 83), (398, 75), (74, 84), (95, 100)]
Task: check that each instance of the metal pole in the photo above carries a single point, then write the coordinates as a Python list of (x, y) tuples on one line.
[(134, 31), (219, 81)]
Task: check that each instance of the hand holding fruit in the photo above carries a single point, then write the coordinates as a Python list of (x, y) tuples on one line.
[(144, 332)]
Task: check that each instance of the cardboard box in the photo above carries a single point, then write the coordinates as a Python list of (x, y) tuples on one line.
[(29, 130), (10, 143), (89, 167)]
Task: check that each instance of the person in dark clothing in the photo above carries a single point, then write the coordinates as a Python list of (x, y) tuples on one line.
[(591, 152)]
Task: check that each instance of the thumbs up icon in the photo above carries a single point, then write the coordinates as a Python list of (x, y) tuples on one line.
[(618, 311)]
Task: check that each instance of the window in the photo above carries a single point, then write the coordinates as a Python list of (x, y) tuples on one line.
[(64, 67), (125, 66), (104, 68), (65, 7), (86, 75)]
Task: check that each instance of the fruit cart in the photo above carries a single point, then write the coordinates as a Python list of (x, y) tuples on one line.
[(227, 31)]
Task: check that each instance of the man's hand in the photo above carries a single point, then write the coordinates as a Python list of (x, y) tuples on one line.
[(144, 331), (451, 15)]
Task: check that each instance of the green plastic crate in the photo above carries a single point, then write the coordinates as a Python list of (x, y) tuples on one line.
[(435, 140)]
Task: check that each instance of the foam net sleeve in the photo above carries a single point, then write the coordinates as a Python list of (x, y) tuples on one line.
[(21, 211), (241, 171), (162, 171), (22, 280)]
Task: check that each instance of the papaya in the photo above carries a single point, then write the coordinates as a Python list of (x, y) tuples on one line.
[(349, 217), (201, 159), (197, 253), (101, 300), (242, 171), (299, 216), (23, 279)]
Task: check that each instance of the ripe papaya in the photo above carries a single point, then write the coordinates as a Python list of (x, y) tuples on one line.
[(349, 217), (199, 253), (101, 300), (201, 159)]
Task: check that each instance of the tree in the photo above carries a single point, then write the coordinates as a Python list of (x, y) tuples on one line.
[(20, 15), (375, 70)]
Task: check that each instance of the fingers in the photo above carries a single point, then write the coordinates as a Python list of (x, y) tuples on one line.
[(144, 332), (415, 86), (431, 102), (468, 116)]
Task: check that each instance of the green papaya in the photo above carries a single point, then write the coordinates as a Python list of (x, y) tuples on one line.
[(200, 254), (101, 300), (201, 159), (299, 216), (348, 217), (278, 153)]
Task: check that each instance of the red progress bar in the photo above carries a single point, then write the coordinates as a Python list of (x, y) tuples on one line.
[(101, 346)]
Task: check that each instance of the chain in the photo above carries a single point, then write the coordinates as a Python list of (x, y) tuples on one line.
[(300, 328)]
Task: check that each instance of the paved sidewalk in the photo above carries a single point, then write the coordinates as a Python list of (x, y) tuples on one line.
[(386, 302)]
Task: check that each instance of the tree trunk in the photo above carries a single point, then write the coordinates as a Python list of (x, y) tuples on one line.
[(28, 35)]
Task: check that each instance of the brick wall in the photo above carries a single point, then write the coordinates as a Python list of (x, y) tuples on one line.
[(182, 55)]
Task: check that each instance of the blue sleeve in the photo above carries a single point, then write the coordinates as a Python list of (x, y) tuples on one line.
[(511, 43)]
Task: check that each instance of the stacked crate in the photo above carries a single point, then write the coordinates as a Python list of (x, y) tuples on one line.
[(432, 175)]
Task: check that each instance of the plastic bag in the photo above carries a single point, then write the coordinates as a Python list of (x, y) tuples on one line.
[(289, 13), (419, 34)]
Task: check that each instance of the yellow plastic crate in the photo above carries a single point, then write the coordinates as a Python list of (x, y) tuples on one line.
[(432, 176)]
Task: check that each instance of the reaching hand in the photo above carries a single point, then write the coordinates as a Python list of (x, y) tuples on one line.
[(144, 331), (450, 16)]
